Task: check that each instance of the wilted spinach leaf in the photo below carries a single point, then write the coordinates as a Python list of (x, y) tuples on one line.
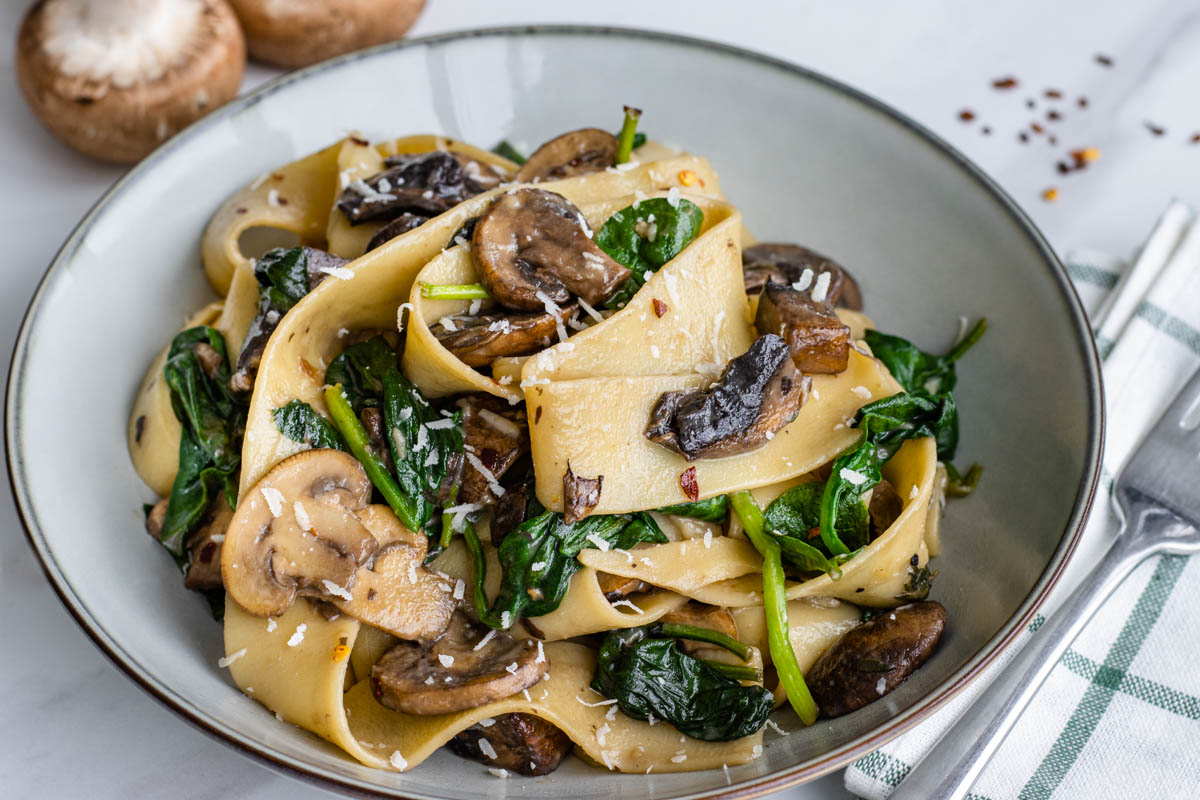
[(504, 149), (668, 230), (650, 676), (538, 560), (213, 421), (794, 519), (714, 509), (422, 440), (301, 423)]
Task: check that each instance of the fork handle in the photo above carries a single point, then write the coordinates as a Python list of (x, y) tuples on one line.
[(950, 769)]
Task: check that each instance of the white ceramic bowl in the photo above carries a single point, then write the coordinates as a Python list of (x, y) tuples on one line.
[(929, 237)]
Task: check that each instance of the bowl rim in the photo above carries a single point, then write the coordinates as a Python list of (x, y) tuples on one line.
[(754, 787)]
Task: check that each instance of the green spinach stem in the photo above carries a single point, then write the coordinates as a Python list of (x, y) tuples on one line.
[(628, 130), (738, 673), (675, 630), (454, 291), (960, 349), (775, 606), (479, 573), (356, 439)]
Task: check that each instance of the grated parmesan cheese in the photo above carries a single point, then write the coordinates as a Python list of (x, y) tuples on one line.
[(335, 590), (852, 476), (397, 760), (298, 636), (302, 518), (229, 659), (821, 288), (274, 499)]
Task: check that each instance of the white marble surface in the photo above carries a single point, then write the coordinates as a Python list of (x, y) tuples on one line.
[(71, 725)]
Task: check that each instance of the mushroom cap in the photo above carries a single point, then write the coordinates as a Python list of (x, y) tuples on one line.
[(398, 594), (818, 339), (454, 673), (296, 531), (118, 109), (531, 249), (297, 33), (574, 153), (784, 263)]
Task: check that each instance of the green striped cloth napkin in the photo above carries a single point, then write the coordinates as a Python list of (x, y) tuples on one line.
[(1120, 714)]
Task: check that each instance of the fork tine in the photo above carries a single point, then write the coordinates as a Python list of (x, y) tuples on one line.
[(1185, 408)]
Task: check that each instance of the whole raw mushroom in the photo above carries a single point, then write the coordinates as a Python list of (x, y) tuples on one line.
[(115, 78), (297, 33)]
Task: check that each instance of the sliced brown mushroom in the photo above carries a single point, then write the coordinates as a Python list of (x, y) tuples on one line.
[(494, 437), (521, 743), (478, 341), (786, 263), (885, 506), (401, 224), (115, 79), (872, 659), (425, 184), (397, 593), (510, 509), (580, 495), (456, 673), (618, 587), (818, 339), (296, 532), (574, 153), (758, 394), (531, 252), (203, 545)]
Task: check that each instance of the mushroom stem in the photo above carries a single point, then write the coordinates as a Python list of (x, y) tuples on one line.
[(628, 131), (358, 442), (454, 291)]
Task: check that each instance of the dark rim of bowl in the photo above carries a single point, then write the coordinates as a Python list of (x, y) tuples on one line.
[(754, 787)]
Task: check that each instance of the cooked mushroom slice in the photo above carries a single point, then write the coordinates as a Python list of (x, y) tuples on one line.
[(115, 79), (398, 594), (580, 495), (521, 743), (509, 511), (873, 658), (480, 176), (204, 548), (494, 437), (531, 251), (819, 341), (426, 184), (786, 263), (401, 224), (296, 532), (455, 673), (885, 505), (618, 587), (574, 153), (758, 394), (478, 341)]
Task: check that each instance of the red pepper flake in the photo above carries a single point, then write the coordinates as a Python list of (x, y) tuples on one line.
[(1195, 138), (687, 482), (239, 210), (281, 200), (1082, 102), (813, 533), (1024, 137), (1007, 82), (966, 115), (358, 140), (1050, 195), (277, 176), (1053, 115), (1053, 94), (1063, 167), (660, 308), (1085, 156), (1036, 128), (1157, 130), (1103, 60)]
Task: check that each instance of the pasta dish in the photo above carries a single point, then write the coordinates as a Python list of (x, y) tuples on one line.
[(526, 457)]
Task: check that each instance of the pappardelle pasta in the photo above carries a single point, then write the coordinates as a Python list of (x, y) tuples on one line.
[(520, 456)]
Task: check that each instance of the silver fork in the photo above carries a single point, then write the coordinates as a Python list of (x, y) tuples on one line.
[(1158, 498)]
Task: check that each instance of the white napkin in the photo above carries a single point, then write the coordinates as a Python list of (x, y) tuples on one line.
[(1120, 714)]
